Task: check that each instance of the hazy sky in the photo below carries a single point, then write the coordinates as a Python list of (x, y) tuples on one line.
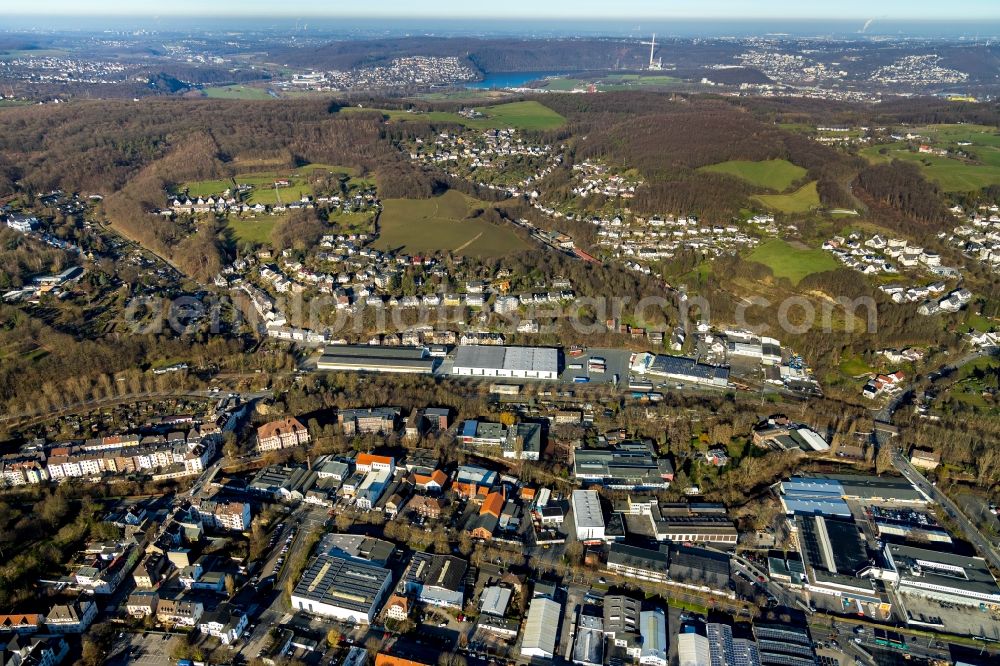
[(581, 9)]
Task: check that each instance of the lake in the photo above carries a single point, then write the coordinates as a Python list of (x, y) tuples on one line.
[(510, 79)]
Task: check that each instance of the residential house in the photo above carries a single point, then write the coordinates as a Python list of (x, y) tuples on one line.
[(149, 571), (397, 607), (924, 459), (225, 623), (141, 604), (230, 516), (177, 612), (39, 651), (71, 618), (20, 623), (430, 483), (485, 524), (426, 507)]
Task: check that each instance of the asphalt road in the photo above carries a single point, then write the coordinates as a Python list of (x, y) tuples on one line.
[(899, 461), (972, 534)]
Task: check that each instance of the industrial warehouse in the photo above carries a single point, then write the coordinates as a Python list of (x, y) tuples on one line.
[(346, 590), (515, 362), (368, 358), (679, 368), (588, 518)]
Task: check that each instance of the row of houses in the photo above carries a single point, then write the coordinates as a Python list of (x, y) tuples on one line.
[(69, 618), (225, 622), (953, 302), (979, 237), (157, 456)]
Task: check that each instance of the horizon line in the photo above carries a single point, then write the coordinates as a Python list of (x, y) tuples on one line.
[(409, 16)]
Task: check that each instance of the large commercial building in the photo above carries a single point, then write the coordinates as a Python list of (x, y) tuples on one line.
[(641, 563), (368, 420), (357, 547), (691, 523), (954, 579), (541, 628), (346, 590), (814, 496), (370, 358), (588, 517), (728, 650), (514, 362), (828, 495), (882, 489), (629, 466), (681, 522), (438, 580), (521, 441), (682, 369), (784, 645), (836, 561), (699, 566), (714, 645), (372, 488)]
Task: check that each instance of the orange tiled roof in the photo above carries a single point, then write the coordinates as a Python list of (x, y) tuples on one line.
[(19, 620), (493, 504), (388, 660), (366, 460), (291, 424)]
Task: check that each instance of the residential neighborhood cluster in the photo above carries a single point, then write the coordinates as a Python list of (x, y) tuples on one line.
[(406, 72), (495, 159)]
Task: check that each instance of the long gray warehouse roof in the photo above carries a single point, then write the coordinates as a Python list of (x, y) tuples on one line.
[(528, 359), (376, 351), (376, 360), (680, 366)]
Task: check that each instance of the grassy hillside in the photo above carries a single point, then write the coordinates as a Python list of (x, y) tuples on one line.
[(801, 200), (440, 224), (236, 92), (519, 115), (791, 261), (954, 172), (777, 175)]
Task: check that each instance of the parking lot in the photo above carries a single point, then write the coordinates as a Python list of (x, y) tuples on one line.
[(149, 649), (955, 618), (615, 362)]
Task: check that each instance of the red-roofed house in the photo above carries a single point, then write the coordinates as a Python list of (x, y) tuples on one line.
[(23, 623), (282, 434), (432, 483), (365, 462)]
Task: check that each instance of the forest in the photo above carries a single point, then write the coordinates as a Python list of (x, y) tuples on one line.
[(131, 152), (487, 55)]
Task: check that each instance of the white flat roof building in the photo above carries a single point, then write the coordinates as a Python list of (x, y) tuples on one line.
[(588, 518), (653, 628), (497, 361), (693, 650), (541, 628)]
